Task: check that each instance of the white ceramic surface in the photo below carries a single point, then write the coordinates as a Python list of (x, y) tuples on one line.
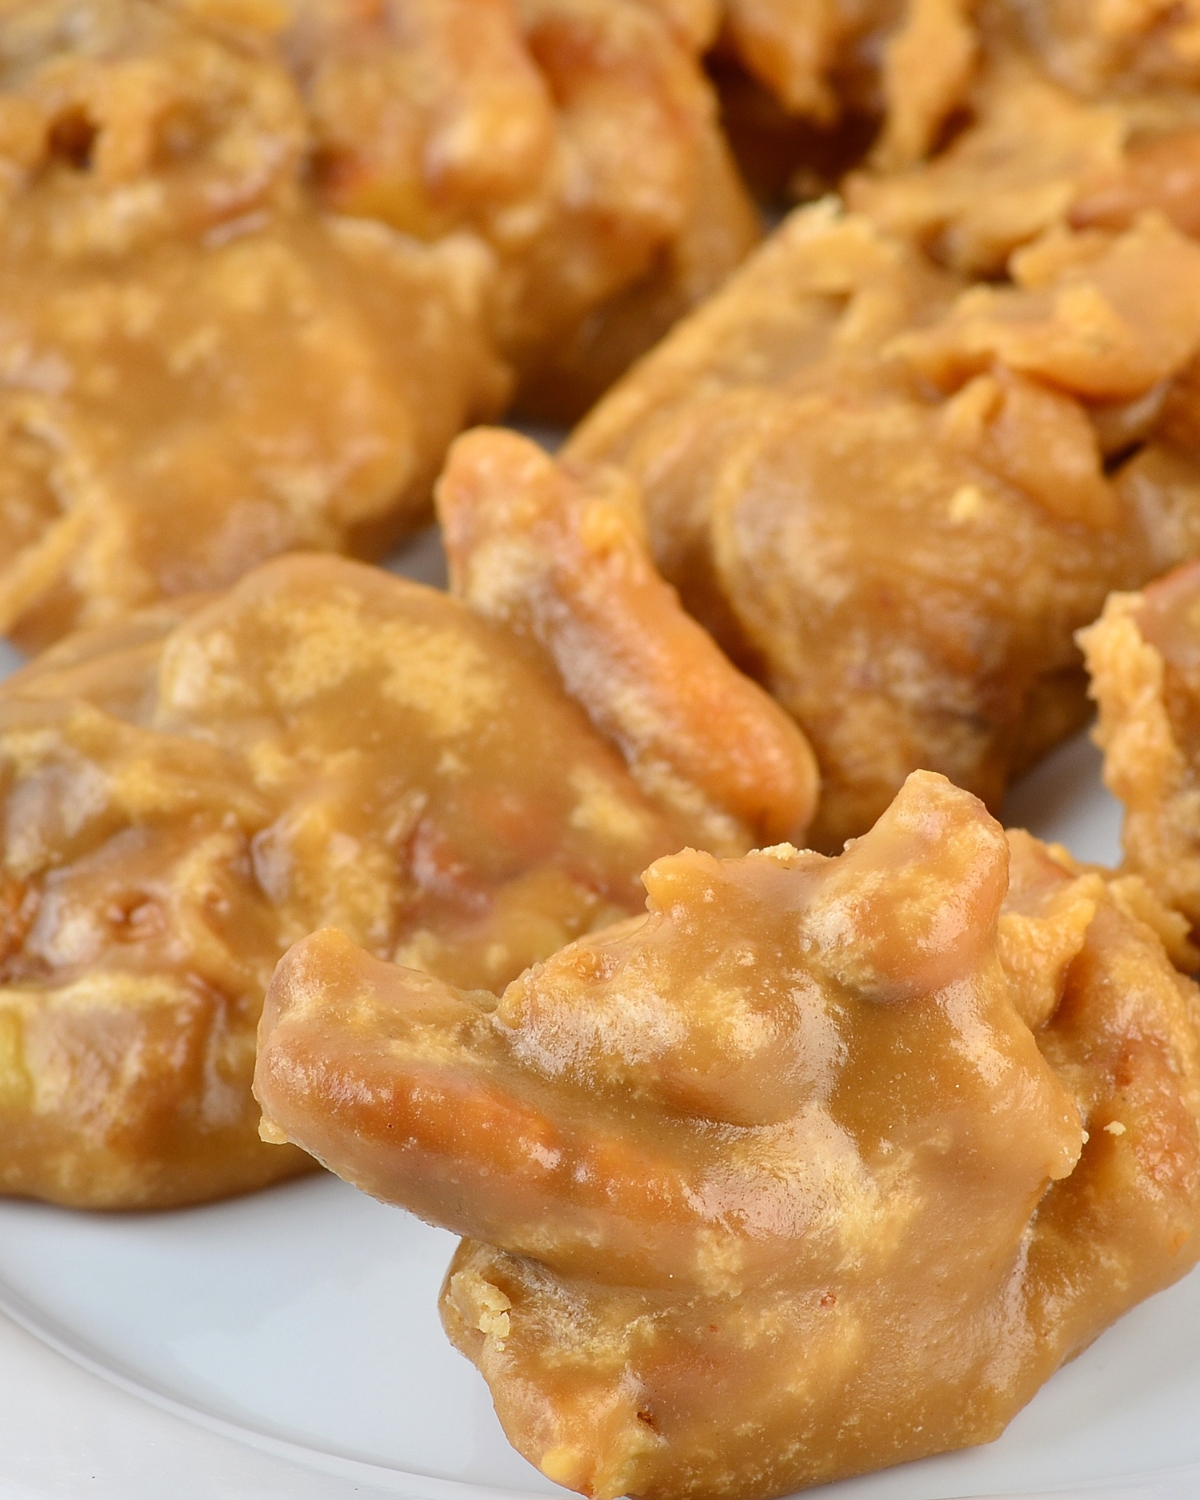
[(286, 1346)]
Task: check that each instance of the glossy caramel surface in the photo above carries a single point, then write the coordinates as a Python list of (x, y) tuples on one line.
[(894, 497), (817, 60), (1004, 119), (259, 264), (184, 794), (1143, 655), (818, 1166), (558, 555), (577, 138), (201, 371)]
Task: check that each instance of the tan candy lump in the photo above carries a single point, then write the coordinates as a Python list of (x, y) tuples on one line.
[(1007, 118), (200, 370), (893, 497), (817, 1166), (1144, 658), (455, 785), (577, 138)]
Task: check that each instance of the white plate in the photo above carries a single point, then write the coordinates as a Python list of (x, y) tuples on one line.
[(286, 1346)]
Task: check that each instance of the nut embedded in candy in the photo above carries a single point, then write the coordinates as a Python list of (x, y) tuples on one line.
[(893, 497), (1013, 118), (578, 138), (1144, 658), (559, 557), (186, 793), (200, 370), (819, 1166)]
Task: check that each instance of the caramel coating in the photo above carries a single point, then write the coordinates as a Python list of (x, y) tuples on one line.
[(1144, 658), (1067, 111), (1032, 151), (198, 409), (814, 58), (200, 371), (1097, 49), (819, 1166), (577, 137), (524, 539), (904, 65), (985, 123), (694, 21), (893, 497), (124, 121), (185, 793)]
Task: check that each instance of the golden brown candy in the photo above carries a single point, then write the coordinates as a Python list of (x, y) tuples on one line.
[(124, 121), (1007, 119), (1161, 172), (996, 121), (893, 497), (194, 409), (577, 137), (1144, 658), (819, 1166), (566, 565), (1094, 47), (695, 21), (200, 371), (1015, 173), (813, 57), (185, 793), (830, 62)]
